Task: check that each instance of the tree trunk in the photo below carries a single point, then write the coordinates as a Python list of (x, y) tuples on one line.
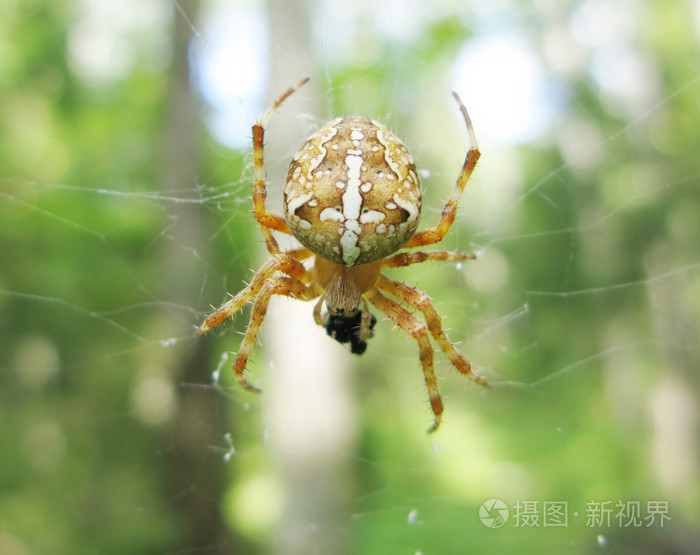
[(309, 400)]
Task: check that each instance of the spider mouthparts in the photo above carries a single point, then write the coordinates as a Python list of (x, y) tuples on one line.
[(348, 329)]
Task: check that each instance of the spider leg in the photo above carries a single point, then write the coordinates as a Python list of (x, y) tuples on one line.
[(414, 257), (285, 263), (416, 329), (365, 321), (281, 285), (435, 234), (320, 318), (302, 253), (420, 301), (268, 220)]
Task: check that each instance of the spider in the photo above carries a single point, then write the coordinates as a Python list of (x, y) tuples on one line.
[(352, 199)]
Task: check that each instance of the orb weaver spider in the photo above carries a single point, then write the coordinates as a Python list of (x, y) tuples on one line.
[(352, 199)]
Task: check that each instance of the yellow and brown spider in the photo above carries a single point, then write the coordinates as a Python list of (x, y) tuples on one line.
[(352, 199)]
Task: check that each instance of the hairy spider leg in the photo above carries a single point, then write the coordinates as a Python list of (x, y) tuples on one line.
[(285, 263), (420, 301), (365, 321), (268, 220), (281, 285), (416, 329), (435, 234), (415, 257)]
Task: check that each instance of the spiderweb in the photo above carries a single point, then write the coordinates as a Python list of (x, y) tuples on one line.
[(581, 309)]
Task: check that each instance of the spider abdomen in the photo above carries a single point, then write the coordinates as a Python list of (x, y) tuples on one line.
[(352, 194)]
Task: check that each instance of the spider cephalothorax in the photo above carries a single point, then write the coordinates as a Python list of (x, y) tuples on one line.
[(352, 199)]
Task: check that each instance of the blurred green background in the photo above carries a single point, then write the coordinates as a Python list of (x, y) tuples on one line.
[(125, 183)]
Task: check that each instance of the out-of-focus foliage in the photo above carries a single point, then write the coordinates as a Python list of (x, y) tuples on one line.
[(582, 310)]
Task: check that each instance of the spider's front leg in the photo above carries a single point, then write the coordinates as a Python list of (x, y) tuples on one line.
[(263, 285), (288, 263), (416, 329), (420, 301), (281, 285)]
